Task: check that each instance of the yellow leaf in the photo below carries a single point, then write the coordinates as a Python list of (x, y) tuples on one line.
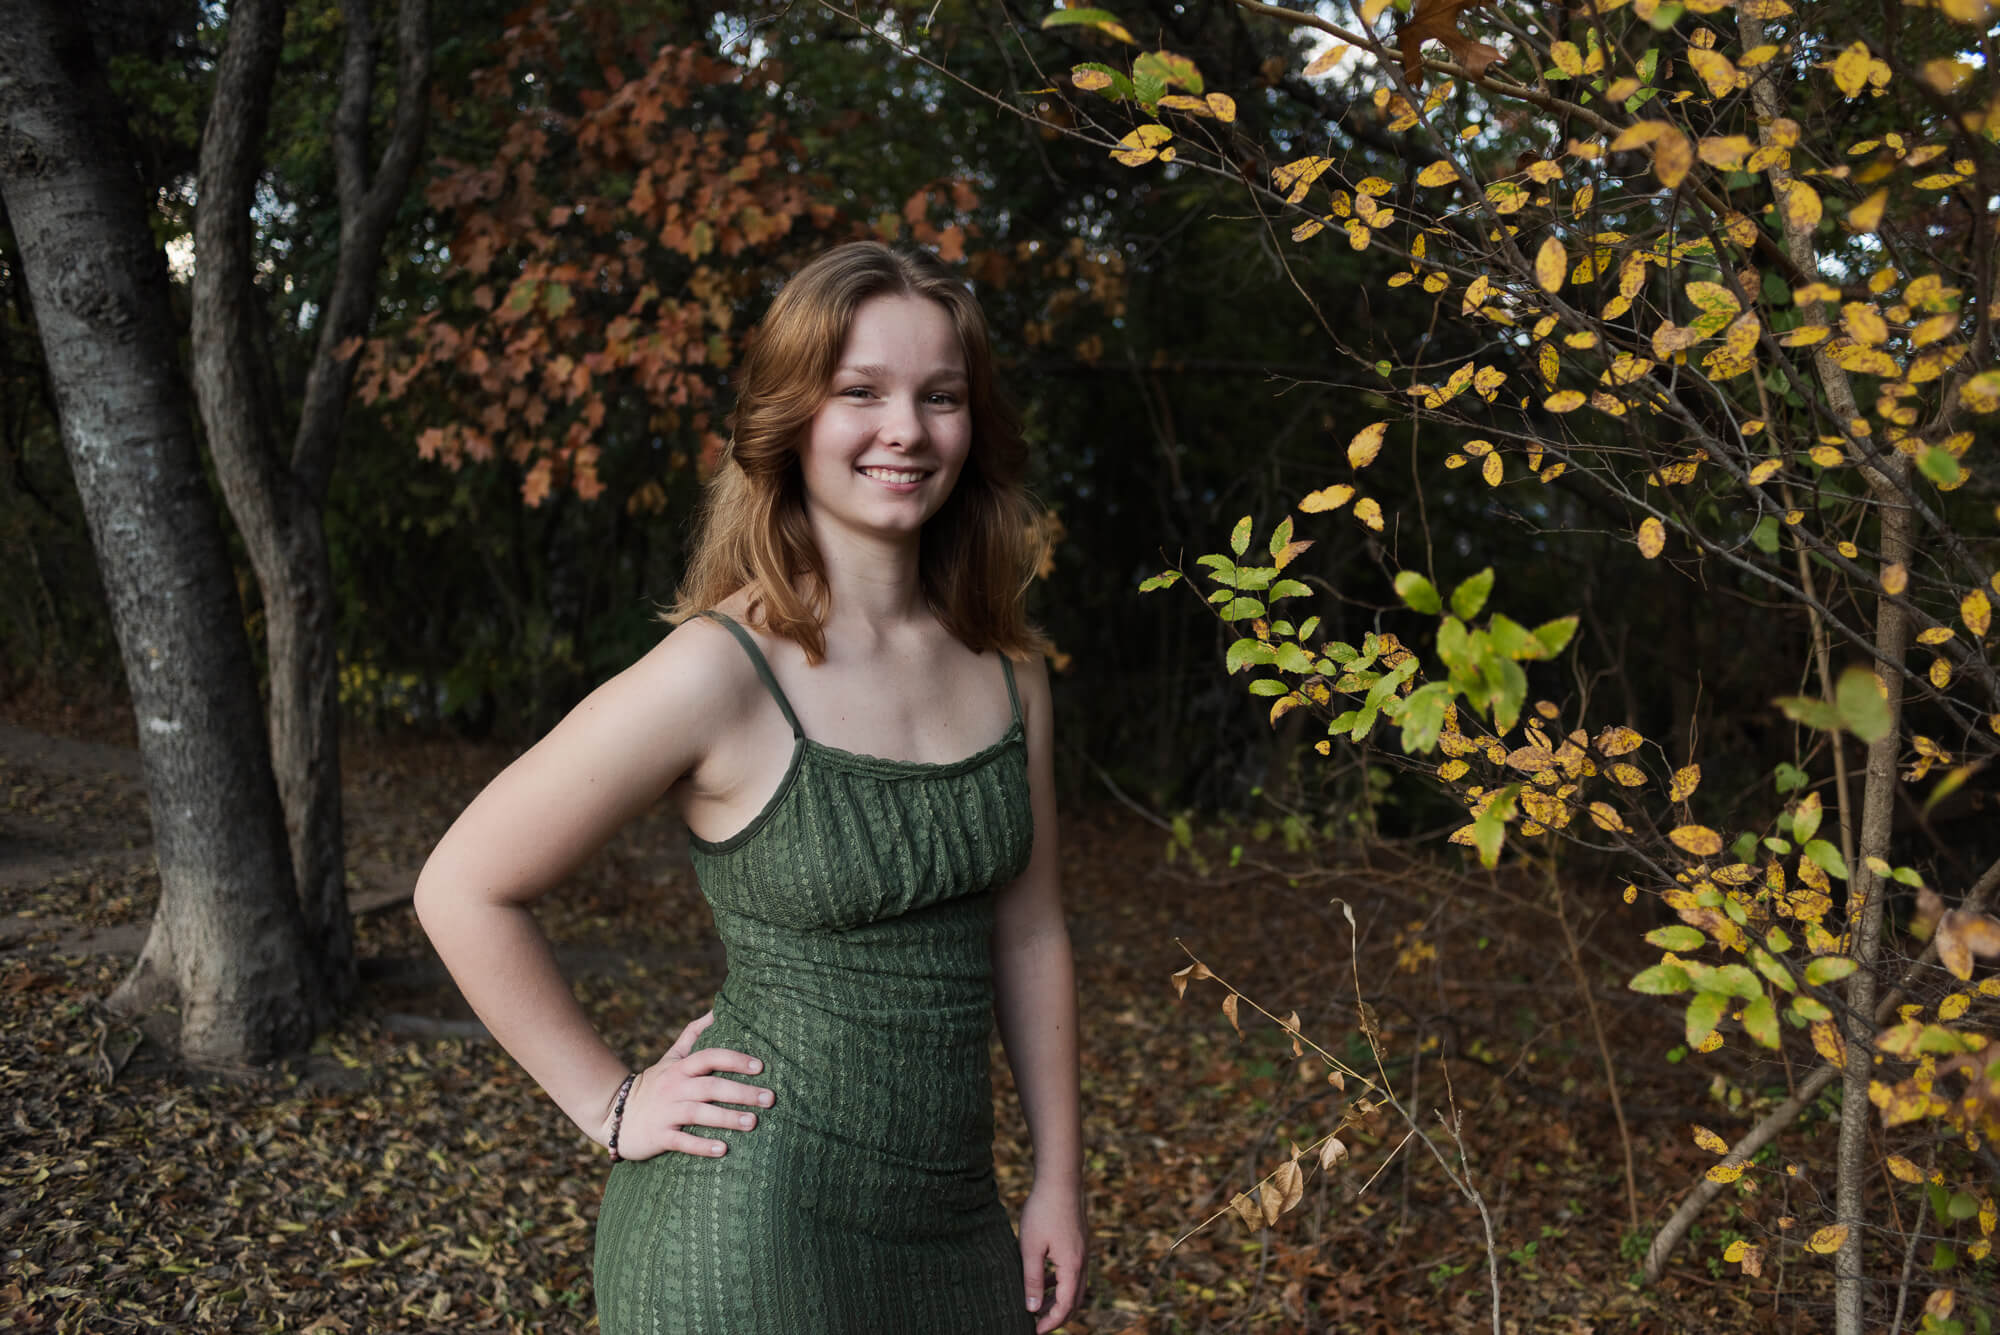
[(1696, 839), (1709, 1141), (1551, 263), (1673, 158), (1764, 472), (1726, 151), (1630, 776), (1326, 59), (1827, 1042), (1564, 401), (1895, 578), (1903, 1170), (1295, 178), (1605, 817), (1142, 144), (1724, 1172), (1491, 470), (1222, 106), (1800, 201), (1367, 443), (1686, 779), (1619, 740), (1550, 362), (1867, 215), (1864, 360), (1327, 498), (1476, 293), (1715, 70), (1977, 613), (1441, 172), (1652, 533), (1850, 69), (1828, 1239), (1369, 512), (1864, 324)]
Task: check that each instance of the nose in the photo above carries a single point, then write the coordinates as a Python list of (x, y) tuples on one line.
[(904, 426)]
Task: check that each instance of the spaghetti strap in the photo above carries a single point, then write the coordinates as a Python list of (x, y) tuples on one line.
[(1013, 694), (764, 672)]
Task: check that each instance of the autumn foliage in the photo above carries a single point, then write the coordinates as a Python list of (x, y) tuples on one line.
[(1719, 274)]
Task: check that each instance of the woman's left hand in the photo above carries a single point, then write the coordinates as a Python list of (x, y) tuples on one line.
[(1052, 1239)]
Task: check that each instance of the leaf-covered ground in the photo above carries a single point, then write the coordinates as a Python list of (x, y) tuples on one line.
[(408, 1177)]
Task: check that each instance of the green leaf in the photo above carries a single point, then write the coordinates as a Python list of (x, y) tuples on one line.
[(1554, 636), (1239, 537), (1281, 536), (1167, 68), (1243, 609), (1470, 596), (1810, 1009), (1269, 686), (1419, 593), (556, 299), (1120, 87), (1676, 938), (1772, 969), (1863, 711), (1661, 980), (1165, 580), (1703, 1014), (1248, 652), (1790, 778), (1765, 534), (1760, 1021), (1731, 980), (1825, 969), (1454, 643), (1342, 723), (1827, 856), (1811, 711), (1101, 19), (1289, 588), (1294, 658), (1940, 466), (1805, 821), (1423, 717), (1512, 639)]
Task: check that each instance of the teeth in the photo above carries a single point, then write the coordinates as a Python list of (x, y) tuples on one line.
[(892, 475)]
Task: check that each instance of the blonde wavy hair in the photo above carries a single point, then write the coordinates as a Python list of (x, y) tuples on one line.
[(978, 552)]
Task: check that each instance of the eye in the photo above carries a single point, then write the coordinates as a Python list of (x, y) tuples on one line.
[(856, 392), (944, 398)]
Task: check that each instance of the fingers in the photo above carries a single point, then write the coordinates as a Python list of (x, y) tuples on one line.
[(685, 1043), (1032, 1254), (710, 1060), (1069, 1290)]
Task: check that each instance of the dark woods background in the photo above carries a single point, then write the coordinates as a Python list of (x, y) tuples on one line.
[(1156, 340)]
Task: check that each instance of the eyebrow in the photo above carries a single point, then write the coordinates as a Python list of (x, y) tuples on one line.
[(875, 372)]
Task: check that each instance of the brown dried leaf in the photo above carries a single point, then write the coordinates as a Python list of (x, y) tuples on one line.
[(1229, 1009), (1437, 20)]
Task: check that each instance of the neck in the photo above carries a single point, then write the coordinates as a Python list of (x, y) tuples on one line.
[(870, 580)]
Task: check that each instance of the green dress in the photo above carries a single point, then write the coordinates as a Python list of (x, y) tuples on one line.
[(857, 913)]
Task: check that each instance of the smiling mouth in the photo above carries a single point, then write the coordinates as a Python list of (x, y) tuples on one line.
[(897, 475)]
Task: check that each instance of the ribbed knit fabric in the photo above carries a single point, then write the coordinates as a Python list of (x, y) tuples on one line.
[(857, 913)]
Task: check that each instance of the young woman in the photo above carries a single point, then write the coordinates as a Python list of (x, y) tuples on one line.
[(853, 718)]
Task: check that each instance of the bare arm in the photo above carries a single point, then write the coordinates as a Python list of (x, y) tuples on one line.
[(1035, 999), (611, 758)]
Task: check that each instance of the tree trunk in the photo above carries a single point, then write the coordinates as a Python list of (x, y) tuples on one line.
[(228, 945), (278, 501)]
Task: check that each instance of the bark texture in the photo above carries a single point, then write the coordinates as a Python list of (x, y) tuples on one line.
[(228, 944), (276, 489)]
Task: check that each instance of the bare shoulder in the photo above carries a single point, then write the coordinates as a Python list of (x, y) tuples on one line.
[(695, 682), (1031, 678)]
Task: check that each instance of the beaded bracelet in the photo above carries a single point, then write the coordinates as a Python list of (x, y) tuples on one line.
[(618, 1114)]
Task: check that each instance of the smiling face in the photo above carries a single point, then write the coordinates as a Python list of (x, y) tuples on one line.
[(886, 447)]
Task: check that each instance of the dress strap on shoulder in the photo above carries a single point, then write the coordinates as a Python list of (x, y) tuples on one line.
[(764, 673), (1013, 692)]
